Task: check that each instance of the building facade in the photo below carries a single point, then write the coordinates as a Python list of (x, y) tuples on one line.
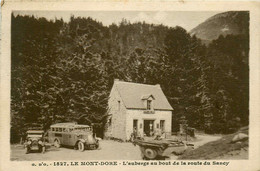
[(137, 107)]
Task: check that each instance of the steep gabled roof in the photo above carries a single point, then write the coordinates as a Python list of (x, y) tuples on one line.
[(133, 94)]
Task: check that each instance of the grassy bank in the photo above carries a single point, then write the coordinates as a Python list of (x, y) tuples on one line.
[(220, 148)]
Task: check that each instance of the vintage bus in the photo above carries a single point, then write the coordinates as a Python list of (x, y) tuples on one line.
[(72, 134)]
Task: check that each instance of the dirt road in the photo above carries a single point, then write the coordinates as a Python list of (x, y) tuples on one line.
[(203, 139), (110, 150)]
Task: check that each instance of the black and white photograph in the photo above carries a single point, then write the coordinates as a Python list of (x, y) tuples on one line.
[(129, 85)]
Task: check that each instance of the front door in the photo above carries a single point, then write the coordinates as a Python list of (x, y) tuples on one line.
[(148, 127)]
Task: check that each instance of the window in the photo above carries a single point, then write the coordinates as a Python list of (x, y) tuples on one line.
[(58, 135), (119, 103), (149, 104), (162, 124)]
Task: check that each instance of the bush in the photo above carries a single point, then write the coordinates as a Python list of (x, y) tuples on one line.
[(227, 127), (215, 128), (231, 126)]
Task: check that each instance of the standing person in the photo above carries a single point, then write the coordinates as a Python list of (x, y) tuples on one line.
[(157, 134), (151, 130), (133, 135), (135, 132)]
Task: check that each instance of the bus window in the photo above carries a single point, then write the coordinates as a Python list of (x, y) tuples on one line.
[(57, 129), (58, 135), (70, 129), (60, 129), (53, 129)]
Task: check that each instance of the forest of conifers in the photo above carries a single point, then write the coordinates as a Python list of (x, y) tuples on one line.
[(64, 71)]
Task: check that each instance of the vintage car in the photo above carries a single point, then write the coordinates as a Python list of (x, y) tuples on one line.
[(34, 141), (161, 148), (72, 134)]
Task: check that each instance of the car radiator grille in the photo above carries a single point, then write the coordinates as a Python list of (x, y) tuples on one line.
[(34, 143)]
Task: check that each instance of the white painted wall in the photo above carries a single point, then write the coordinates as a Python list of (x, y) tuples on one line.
[(132, 114), (122, 120)]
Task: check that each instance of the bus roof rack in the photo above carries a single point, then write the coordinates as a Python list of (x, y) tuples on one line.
[(68, 124)]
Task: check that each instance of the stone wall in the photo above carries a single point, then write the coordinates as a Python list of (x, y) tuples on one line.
[(117, 127)]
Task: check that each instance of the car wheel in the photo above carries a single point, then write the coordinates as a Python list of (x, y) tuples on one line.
[(57, 143), (40, 149), (150, 153), (27, 150), (80, 146)]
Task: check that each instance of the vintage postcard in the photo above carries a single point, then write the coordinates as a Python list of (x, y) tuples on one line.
[(130, 85)]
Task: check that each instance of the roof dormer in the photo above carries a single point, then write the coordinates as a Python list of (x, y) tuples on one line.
[(148, 101), (148, 97)]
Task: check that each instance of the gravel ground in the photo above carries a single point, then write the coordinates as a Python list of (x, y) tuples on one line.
[(110, 150)]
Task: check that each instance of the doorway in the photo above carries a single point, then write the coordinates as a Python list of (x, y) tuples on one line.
[(162, 125), (148, 127), (135, 125)]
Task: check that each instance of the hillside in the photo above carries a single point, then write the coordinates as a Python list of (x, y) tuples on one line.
[(233, 22), (221, 149)]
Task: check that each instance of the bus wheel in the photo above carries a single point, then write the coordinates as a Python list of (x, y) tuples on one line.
[(56, 143), (80, 146)]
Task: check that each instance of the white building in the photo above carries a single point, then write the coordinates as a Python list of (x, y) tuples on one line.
[(137, 106)]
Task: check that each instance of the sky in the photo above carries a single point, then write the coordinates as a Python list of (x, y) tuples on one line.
[(187, 20)]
